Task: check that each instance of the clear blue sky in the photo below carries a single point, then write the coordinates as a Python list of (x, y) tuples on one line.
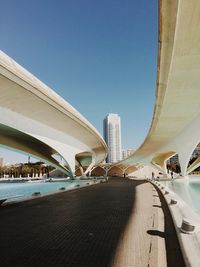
[(100, 56)]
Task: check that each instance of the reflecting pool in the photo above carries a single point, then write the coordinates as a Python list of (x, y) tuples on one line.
[(17, 191), (188, 189)]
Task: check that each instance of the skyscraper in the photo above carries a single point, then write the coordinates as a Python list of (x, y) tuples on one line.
[(112, 136)]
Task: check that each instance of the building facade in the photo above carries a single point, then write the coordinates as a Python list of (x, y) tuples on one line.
[(127, 152), (112, 136)]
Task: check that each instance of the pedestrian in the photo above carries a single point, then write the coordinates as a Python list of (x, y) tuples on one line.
[(153, 175), (172, 175)]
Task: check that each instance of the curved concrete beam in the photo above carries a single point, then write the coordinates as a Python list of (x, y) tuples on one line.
[(115, 170), (21, 142), (175, 126), (29, 106), (98, 171)]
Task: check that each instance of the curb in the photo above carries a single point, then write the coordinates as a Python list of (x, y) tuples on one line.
[(187, 225)]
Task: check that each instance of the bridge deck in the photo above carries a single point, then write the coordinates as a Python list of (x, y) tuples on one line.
[(118, 224)]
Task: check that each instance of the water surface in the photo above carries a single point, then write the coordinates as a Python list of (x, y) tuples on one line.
[(24, 190), (188, 189)]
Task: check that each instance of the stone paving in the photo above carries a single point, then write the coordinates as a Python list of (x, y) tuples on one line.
[(116, 224)]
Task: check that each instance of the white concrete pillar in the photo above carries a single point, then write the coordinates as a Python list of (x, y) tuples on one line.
[(194, 165), (89, 168)]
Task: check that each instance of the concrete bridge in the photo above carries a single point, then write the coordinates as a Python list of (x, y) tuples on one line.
[(175, 127), (32, 111), (38, 122)]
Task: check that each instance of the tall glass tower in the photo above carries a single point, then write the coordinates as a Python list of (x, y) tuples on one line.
[(112, 136)]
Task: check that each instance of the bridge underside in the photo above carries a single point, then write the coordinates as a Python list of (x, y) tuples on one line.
[(175, 127), (42, 124), (24, 143)]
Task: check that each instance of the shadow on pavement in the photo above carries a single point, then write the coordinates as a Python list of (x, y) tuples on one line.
[(80, 228), (174, 255), (157, 233)]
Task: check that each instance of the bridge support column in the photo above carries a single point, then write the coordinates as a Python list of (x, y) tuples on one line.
[(163, 169), (106, 169), (81, 170), (184, 155), (67, 152), (194, 165), (90, 172), (90, 167)]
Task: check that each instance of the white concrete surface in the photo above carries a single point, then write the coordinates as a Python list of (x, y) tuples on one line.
[(175, 127), (29, 106)]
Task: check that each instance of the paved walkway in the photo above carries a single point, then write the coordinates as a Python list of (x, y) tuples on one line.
[(115, 224)]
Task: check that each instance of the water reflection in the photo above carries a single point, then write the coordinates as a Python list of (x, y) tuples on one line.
[(188, 190)]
